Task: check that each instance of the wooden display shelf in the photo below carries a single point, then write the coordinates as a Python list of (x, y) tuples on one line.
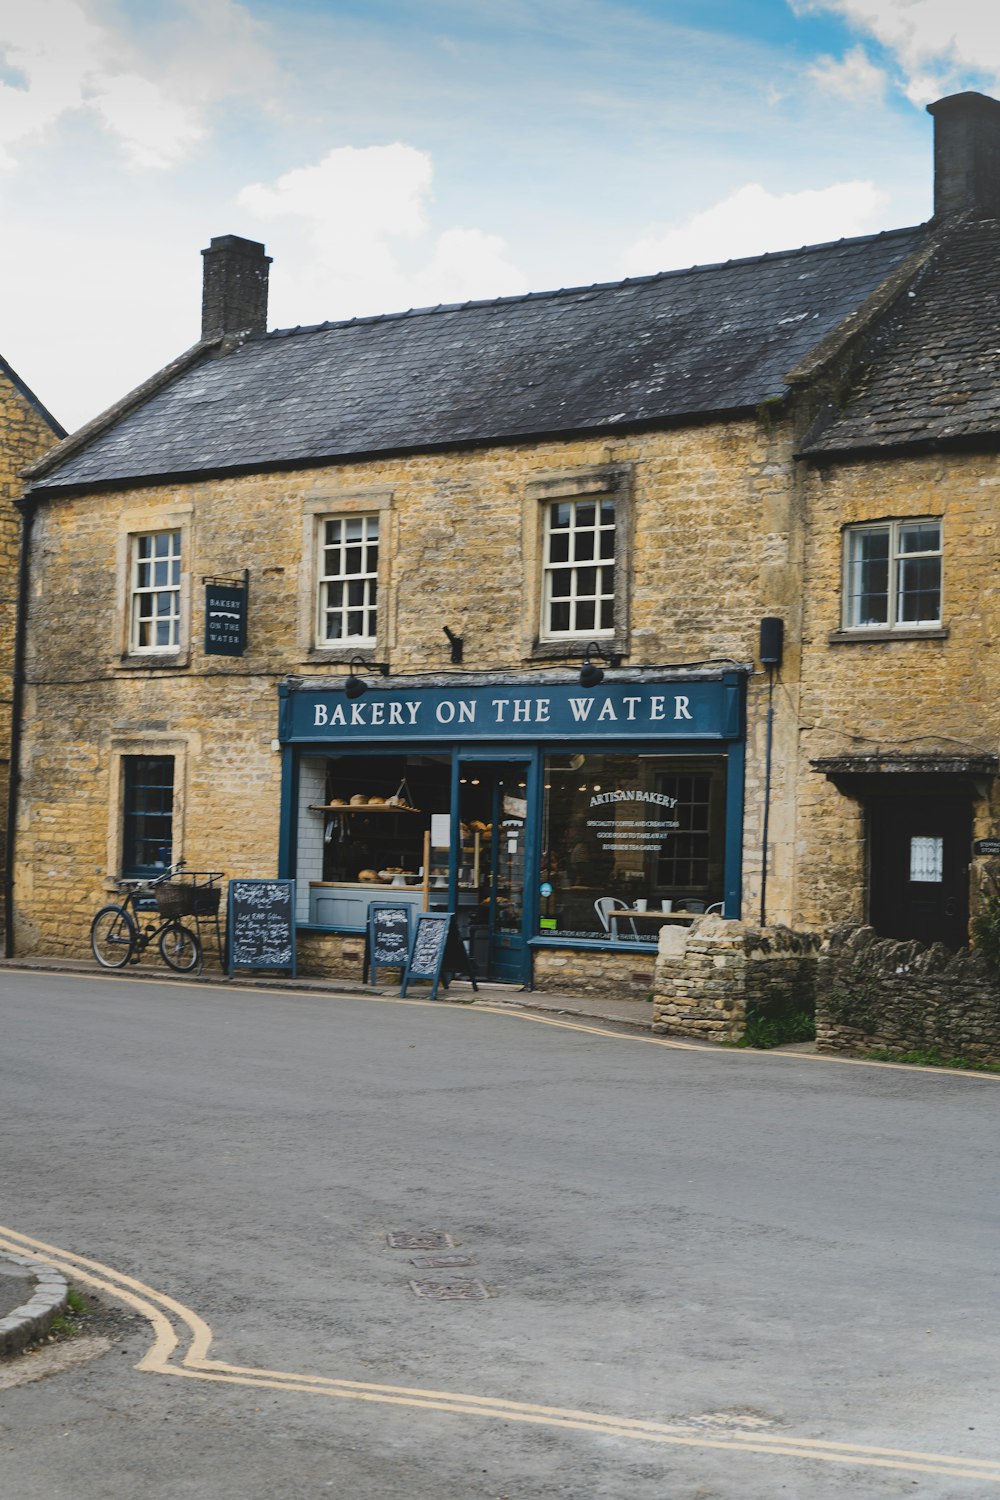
[(360, 807)]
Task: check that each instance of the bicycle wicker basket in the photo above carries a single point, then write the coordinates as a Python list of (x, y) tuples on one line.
[(174, 899)]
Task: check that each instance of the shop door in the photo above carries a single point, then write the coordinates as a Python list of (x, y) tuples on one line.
[(919, 850), (493, 809)]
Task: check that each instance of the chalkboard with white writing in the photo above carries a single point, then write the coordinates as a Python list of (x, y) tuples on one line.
[(261, 924), (388, 937), (436, 945)]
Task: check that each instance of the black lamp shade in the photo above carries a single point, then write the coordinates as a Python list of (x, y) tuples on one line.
[(355, 686)]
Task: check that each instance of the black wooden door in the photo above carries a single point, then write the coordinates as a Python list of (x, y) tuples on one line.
[(918, 868)]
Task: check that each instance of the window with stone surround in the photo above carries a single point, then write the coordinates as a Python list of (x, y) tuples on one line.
[(155, 592), (892, 575), (347, 580), (148, 814), (578, 570)]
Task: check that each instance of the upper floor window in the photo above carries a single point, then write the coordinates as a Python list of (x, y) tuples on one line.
[(348, 580), (892, 575), (155, 602), (578, 589)]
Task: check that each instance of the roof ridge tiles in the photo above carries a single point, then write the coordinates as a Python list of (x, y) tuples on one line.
[(519, 298)]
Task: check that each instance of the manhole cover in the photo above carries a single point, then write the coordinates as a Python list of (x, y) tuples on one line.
[(439, 1262), (424, 1239), (450, 1291)]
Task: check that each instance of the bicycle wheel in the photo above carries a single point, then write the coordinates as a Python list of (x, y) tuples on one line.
[(113, 937), (180, 948)]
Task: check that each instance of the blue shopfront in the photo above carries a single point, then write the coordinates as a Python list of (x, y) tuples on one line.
[(544, 813)]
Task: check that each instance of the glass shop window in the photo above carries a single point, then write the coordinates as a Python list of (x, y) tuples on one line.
[(377, 814), (629, 833), (147, 835)]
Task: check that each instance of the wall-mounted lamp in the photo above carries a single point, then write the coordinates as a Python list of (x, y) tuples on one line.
[(457, 644), (590, 675), (355, 686)]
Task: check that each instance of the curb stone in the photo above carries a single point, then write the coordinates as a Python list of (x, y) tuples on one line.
[(33, 1319)]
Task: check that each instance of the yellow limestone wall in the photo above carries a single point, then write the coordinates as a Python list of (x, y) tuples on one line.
[(715, 544)]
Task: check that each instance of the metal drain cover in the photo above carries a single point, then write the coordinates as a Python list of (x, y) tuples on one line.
[(450, 1291), (423, 1239), (440, 1262)]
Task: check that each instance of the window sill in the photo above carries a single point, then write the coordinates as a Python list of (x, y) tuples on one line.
[(572, 648), (887, 633), (155, 662), (340, 656)]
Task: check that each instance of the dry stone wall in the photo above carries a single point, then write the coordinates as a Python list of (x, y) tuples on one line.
[(710, 975), (878, 993)]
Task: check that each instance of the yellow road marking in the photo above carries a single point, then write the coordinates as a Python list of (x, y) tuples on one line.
[(175, 1325)]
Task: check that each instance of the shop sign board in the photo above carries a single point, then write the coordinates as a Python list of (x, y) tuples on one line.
[(986, 847), (225, 619), (261, 926), (700, 709)]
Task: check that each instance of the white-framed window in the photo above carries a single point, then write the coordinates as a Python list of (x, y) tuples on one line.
[(155, 592), (347, 576), (578, 570), (892, 575)]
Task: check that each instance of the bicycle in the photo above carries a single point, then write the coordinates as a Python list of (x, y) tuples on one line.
[(118, 936)]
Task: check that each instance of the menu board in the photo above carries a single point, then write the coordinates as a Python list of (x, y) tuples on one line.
[(436, 945), (388, 936), (261, 928)]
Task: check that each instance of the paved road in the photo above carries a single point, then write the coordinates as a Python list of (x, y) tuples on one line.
[(759, 1256)]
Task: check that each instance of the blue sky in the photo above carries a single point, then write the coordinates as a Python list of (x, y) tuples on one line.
[(395, 153)]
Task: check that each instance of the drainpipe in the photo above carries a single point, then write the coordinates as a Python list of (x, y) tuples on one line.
[(26, 507)]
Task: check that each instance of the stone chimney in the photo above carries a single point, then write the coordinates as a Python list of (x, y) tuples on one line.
[(234, 290), (966, 156)]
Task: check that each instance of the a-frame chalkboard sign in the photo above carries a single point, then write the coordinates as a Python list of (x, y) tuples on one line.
[(436, 948), (387, 940)]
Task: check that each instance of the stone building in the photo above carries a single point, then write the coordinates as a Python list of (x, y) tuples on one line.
[(27, 430), (757, 497)]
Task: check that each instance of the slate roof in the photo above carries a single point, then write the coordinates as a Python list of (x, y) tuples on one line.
[(933, 374), (680, 345)]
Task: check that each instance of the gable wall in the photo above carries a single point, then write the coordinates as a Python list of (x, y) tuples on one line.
[(905, 696), (24, 436)]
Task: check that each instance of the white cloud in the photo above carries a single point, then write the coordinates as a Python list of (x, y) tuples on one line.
[(359, 241), (934, 41), (59, 57), (752, 220), (855, 77)]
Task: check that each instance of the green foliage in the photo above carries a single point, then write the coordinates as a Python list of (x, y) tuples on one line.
[(930, 1057), (986, 930), (765, 1031), (76, 1302)]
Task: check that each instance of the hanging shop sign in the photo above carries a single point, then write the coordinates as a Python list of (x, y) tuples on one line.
[(226, 616), (702, 709)]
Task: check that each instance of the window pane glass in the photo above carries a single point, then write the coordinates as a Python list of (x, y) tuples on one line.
[(919, 589), (868, 577), (586, 581), (586, 514), (584, 546), (559, 547), (147, 842), (585, 614), (925, 536), (621, 828), (559, 515), (559, 617)]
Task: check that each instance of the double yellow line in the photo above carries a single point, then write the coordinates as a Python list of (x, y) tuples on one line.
[(182, 1340)]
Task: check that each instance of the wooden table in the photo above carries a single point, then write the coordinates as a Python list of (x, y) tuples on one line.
[(652, 919)]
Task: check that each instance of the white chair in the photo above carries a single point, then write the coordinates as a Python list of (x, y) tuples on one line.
[(604, 906), (718, 906)]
